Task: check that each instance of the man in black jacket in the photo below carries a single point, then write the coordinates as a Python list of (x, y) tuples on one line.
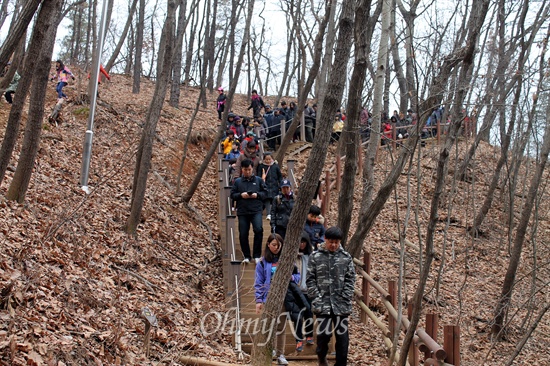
[(249, 191), (281, 208)]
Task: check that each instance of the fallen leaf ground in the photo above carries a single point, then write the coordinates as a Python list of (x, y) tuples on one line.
[(73, 284)]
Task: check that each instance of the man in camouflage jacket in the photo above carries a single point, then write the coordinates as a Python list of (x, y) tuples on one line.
[(330, 284)]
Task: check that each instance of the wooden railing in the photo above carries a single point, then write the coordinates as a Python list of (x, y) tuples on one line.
[(425, 340)]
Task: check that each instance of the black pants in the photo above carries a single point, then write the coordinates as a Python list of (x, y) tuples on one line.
[(325, 326), (9, 96), (244, 226)]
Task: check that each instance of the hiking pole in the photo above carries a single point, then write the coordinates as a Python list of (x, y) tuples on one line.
[(92, 90)]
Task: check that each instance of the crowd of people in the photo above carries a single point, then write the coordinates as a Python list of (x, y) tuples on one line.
[(259, 189)]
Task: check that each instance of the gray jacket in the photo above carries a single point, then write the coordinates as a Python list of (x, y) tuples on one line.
[(331, 281)]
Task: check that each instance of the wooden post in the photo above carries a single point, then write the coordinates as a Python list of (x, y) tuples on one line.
[(326, 198), (438, 131), (451, 344), (431, 329), (392, 289), (303, 128), (365, 286), (413, 350), (338, 172), (432, 322)]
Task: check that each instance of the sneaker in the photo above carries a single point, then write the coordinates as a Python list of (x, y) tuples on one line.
[(281, 360), (257, 260), (268, 217), (299, 346), (246, 260), (309, 340)]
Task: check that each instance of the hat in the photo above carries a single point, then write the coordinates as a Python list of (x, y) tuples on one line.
[(250, 133), (285, 183), (267, 106), (251, 143), (220, 89)]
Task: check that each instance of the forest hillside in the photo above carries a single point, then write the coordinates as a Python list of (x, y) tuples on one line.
[(73, 284)]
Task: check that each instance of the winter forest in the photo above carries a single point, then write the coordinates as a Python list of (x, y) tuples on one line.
[(459, 217)]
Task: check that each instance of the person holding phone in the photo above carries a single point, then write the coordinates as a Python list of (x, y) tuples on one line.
[(249, 192)]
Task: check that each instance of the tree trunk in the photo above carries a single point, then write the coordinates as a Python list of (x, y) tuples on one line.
[(177, 61), (322, 79), (369, 212), (374, 142), (31, 141), (118, 47), (335, 88), (16, 63), (193, 187), (409, 17), (189, 50), (400, 75), (521, 230), (210, 45), (15, 35), (506, 138), (145, 150), (475, 22), (138, 48), (350, 138), (12, 128), (304, 92)]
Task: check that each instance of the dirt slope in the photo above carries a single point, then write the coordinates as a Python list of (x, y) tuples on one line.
[(73, 284)]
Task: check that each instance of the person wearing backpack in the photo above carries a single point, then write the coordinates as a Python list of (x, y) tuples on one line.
[(281, 208), (270, 172), (265, 270)]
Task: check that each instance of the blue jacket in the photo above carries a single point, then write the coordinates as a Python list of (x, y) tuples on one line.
[(262, 280), (316, 232)]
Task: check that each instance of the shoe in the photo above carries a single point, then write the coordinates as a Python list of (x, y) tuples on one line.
[(323, 362), (257, 260), (299, 346), (268, 217), (281, 360), (309, 340), (246, 260)]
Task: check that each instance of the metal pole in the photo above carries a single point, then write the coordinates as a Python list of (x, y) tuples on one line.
[(87, 149)]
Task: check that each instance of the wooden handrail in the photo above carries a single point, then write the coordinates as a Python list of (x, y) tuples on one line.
[(374, 284), (426, 343)]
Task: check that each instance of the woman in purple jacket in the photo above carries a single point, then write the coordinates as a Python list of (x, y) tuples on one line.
[(265, 270)]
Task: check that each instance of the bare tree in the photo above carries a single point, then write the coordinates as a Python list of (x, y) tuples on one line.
[(15, 34), (193, 187), (48, 22), (138, 47), (122, 38), (337, 80), (38, 38), (145, 149), (521, 230), (305, 90), (350, 138)]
